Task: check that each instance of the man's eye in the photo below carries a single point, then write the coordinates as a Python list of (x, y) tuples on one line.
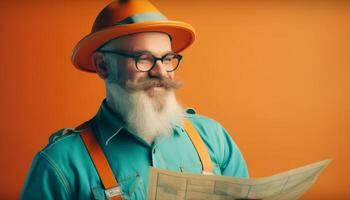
[(145, 57), (169, 58)]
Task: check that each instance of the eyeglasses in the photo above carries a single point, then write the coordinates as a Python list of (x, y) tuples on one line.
[(145, 62)]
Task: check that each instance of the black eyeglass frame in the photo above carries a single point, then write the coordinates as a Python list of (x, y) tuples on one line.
[(137, 56)]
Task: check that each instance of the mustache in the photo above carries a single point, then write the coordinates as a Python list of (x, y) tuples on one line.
[(147, 83)]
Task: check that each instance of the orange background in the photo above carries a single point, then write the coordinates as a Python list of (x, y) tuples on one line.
[(275, 74)]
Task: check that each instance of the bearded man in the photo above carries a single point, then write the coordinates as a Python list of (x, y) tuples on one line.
[(135, 50)]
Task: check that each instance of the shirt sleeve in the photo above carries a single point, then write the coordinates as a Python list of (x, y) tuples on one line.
[(233, 163), (45, 180)]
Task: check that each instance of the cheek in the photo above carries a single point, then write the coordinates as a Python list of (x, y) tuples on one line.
[(129, 72), (133, 75), (137, 76), (171, 75)]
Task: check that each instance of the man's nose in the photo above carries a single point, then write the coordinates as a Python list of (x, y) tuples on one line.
[(158, 70)]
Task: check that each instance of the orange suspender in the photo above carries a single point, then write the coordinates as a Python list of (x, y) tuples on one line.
[(200, 147), (109, 182)]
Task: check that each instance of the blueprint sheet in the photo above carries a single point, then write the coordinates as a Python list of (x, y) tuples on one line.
[(289, 185)]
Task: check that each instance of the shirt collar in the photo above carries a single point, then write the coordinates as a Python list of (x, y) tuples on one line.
[(108, 123)]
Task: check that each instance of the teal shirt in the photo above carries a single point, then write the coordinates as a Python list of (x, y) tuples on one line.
[(64, 170)]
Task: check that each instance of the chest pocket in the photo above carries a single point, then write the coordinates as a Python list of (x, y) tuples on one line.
[(133, 188)]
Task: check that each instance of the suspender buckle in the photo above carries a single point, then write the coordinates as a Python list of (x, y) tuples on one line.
[(114, 192), (207, 173)]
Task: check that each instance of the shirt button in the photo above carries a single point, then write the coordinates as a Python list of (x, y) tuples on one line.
[(154, 151)]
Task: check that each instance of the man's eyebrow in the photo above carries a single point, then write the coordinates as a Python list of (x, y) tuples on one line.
[(148, 52)]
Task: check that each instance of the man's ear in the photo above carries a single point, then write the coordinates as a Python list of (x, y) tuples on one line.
[(100, 64)]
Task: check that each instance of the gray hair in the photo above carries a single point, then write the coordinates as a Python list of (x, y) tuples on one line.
[(113, 64)]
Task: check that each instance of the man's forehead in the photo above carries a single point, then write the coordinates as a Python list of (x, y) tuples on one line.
[(145, 41)]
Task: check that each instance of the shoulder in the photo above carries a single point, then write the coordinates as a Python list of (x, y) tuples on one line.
[(222, 148), (66, 154), (65, 148), (58, 166), (47, 175), (62, 141), (203, 123), (211, 131)]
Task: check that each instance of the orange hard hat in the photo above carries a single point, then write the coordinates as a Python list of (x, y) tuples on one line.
[(126, 17)]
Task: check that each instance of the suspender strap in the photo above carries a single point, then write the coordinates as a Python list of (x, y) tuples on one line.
[(200, 147), (112, 190)]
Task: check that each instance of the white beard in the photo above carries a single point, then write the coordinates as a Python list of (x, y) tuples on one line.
[(145, 116)]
